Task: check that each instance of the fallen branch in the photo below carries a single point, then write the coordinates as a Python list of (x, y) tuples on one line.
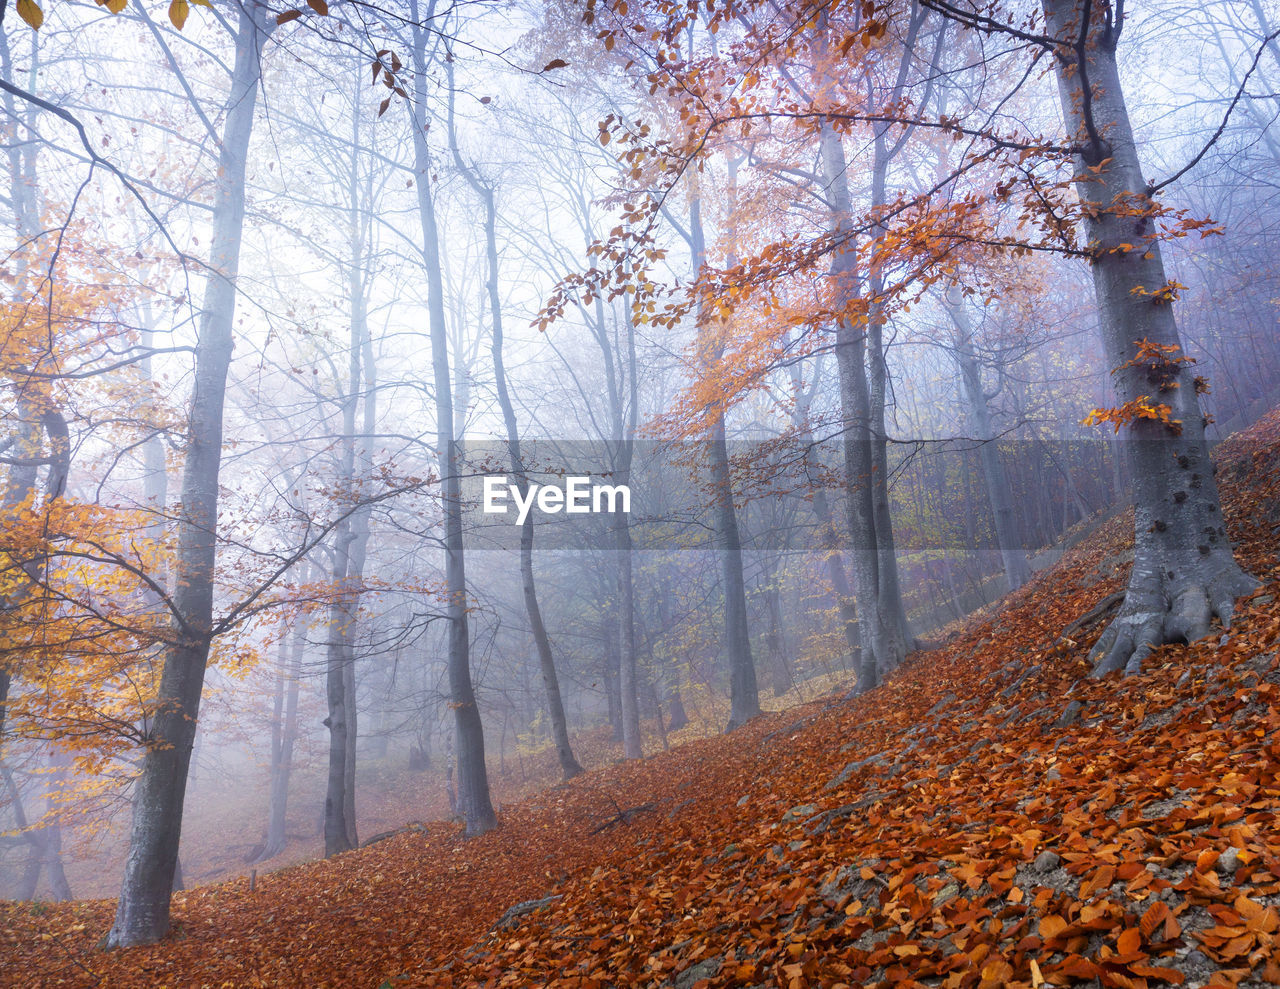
[(622, 816), (1100, 609)]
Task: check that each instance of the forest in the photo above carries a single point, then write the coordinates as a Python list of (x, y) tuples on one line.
[(627, 492)]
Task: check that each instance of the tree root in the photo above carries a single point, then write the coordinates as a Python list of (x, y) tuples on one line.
[(1154, 614)]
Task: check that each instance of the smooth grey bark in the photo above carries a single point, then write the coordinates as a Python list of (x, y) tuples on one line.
[(668, 671), (1184, 572), (22, 160), (44, 847), (621, 384), (884, 633), (775, 636), (339, 830), (632, 747), (828, 536), (744, 691), (1013, 554), (473, 779), (875, 643), (351, 536), (897, 631), (628, 660), (569, 766), (612, 666), (142, 912), (284, 735)]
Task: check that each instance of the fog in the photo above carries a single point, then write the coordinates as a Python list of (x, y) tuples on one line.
[(283, 298)]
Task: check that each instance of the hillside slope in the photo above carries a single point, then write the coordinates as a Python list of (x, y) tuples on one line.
[(989, 817)]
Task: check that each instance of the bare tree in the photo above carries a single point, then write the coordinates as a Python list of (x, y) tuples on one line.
[(142, 913)]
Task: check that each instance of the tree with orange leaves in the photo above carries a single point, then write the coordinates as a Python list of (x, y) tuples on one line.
[(893, 246)]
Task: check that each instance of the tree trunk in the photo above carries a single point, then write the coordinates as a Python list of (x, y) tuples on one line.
[(744, 693), (1008, 533), (828, 536), (142, 913), (284, 735), (897, 632), (337, 829), (1184, 572), (877, 643), (671, 671), (569, 767), (612, 655), (351, 536), (631, 741), (779, 668), (473, 777)]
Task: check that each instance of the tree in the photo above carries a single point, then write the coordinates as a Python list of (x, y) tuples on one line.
[(1184, 570), (473, 779), (142, 913), (569, 766), (1016, 569), (744, 695), (1185, 574)]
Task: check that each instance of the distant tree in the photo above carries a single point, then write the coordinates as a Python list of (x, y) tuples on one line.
[(473, 778), (484, 188)]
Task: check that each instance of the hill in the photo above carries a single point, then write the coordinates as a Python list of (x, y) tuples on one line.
[(989, 817)]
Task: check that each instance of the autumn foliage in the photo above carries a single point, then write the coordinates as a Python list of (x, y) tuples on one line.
[(988, 817)]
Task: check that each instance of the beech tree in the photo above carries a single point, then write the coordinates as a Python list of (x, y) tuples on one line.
[(142, 914), (473, 778), (1184, 572), (484, 188)]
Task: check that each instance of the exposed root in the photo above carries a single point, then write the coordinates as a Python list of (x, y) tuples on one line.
[(1154, 614)]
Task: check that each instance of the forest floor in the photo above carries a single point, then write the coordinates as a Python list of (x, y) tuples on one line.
[(989, 817)]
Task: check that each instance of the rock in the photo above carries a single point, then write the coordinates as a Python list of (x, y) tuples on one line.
[(1263, 599), (801, 811), (833, 887), (1046, 861), (853, 767), (1228, 862), (795, 846), (742, 801), (704, 969), (1195, 959), (679, 807), (513, 914), (1070, 714), (948, 892), (1052, 776)]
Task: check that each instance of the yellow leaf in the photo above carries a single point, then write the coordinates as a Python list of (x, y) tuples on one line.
[(178, 10), (30, 12)]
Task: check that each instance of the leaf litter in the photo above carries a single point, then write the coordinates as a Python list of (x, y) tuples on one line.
[(988, 817)]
